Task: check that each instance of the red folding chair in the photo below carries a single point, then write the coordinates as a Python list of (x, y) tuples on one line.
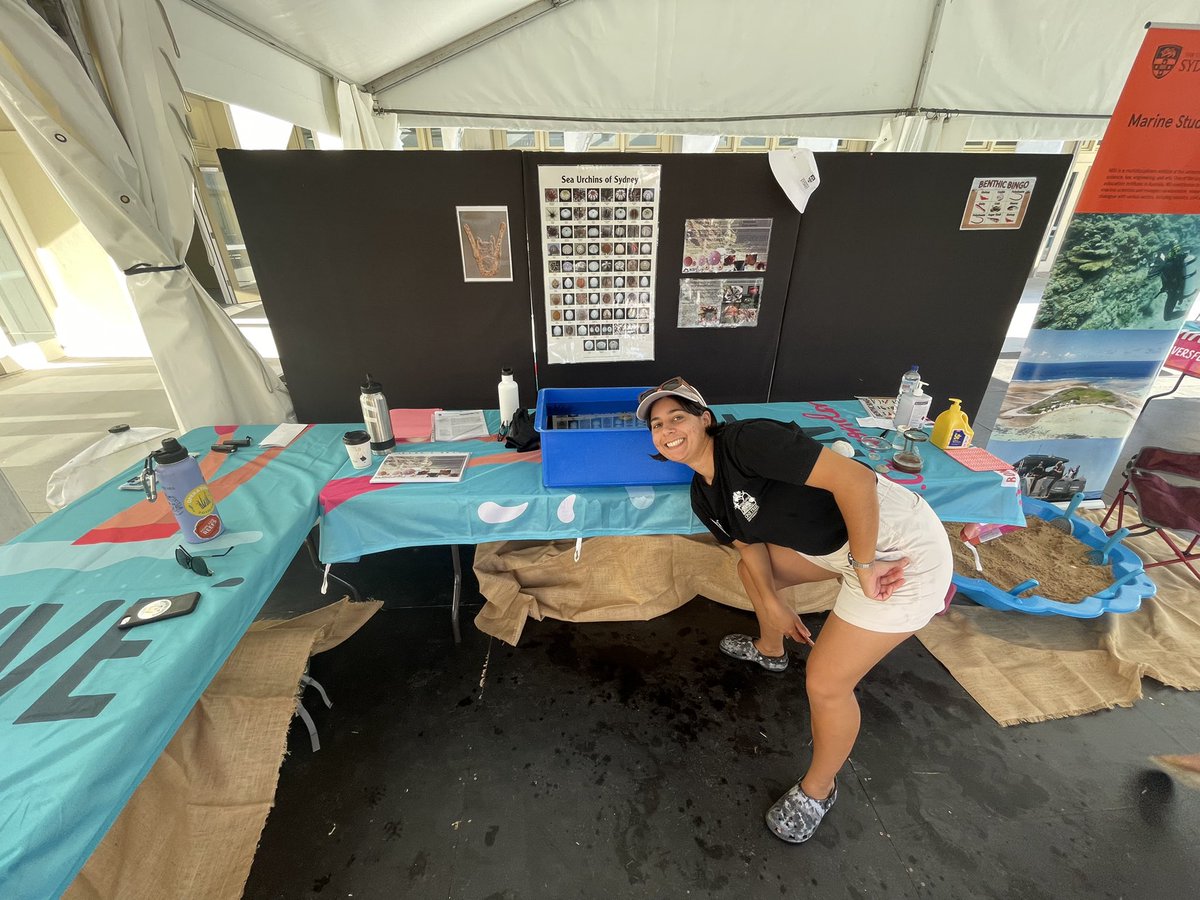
[(1165, 486)]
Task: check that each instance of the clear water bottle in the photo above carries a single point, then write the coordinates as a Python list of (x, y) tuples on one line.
[(910, 388), (191, 501)]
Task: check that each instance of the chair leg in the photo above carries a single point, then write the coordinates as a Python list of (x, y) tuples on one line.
[(1118, 505), (1181, 556), (454, 603), (307, 681), (310, 546), (310, 724)]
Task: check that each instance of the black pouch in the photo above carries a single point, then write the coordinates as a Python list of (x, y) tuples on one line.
[(521, 435)]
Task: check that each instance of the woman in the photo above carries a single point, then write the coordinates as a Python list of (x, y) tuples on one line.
[(799, 513)]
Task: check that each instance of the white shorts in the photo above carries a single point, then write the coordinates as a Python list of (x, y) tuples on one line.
[(908, 527)]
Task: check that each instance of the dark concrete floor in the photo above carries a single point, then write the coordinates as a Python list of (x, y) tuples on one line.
[(632, 760)]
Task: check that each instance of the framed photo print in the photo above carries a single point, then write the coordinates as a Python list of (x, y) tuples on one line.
[(483, 238)]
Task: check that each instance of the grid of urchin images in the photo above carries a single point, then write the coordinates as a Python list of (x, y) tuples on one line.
[(599, 245)]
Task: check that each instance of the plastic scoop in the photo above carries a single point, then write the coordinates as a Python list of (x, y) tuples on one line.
[(1100, 556), (1063, 522)]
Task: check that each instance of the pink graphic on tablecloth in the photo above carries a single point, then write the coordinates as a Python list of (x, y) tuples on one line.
[(340, 490)]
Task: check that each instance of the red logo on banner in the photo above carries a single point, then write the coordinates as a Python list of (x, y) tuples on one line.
[(1148, 160), (1164, 60), (1185, 355), (208, 527)]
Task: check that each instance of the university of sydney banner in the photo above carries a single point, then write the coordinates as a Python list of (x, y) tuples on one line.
[(1121, 286)]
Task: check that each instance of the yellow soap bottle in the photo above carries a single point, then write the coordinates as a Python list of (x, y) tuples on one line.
[(951, 428)]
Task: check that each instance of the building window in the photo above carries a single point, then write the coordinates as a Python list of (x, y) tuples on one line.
[(990, 147), (605, 140), (642, 141), (23, 318), (220, 212), (521, 140)]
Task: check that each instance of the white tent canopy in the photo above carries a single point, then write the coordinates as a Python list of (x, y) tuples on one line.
[(1015, 69), (906, 74), (122, 161)]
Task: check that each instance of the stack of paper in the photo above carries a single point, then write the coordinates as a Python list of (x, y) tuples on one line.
[(420, 468), (459, 425), (978, 460), (283, 435), (412, 425)]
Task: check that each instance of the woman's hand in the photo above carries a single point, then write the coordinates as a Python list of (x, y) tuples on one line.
[(883, 578), (781, 616)]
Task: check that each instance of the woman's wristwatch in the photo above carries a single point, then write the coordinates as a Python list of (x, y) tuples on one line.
[(856, 564)]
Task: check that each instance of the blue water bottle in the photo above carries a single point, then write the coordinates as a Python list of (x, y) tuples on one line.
[(188, 494)]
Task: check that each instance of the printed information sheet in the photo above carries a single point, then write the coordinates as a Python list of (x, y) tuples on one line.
[(599, 246), (719, 302)]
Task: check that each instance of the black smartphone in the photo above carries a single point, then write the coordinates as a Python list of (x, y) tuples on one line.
[(154, 609), (223, 448)]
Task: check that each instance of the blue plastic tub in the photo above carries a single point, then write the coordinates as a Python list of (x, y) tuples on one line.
[(1131, 585), (599, 441)]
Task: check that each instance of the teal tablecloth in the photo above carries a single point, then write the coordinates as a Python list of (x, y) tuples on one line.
[(85, 709), (501, 497)]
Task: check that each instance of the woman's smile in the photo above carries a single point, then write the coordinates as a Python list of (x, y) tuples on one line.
[(678, 435)]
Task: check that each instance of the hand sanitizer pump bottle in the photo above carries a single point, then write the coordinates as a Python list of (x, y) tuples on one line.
[(921, 402)]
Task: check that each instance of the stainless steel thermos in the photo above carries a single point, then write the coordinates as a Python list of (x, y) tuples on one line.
[(187, 493), (376, 416)]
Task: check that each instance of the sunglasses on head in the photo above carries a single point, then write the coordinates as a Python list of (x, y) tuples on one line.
[(671, 384), (197, 563)]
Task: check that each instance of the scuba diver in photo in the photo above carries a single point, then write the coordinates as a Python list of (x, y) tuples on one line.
[(1177, 269)]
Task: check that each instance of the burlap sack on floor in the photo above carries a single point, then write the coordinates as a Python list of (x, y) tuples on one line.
[(616, 579), (192, 826), (1019, 668), (1023, 668)]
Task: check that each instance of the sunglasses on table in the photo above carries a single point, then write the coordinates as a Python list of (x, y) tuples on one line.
[(196, 562)]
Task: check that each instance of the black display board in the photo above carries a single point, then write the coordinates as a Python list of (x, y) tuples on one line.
[(885, 278), (729, 364), (358, 264)]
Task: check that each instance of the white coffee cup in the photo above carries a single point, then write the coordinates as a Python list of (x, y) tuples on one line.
[(358, 448)]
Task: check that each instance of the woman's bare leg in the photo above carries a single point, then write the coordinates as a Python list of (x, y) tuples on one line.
[(843, 654), (788, 568)]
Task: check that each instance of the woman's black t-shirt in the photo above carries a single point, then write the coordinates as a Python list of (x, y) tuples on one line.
[(758, 494)]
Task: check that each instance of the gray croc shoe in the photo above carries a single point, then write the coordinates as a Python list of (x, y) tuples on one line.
[(741, 646), (795, 815)]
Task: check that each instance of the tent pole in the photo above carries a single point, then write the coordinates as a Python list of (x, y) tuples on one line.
[(935, 25), (479, 36)]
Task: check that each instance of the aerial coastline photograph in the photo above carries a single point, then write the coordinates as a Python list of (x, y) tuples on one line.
[(1080, 384)]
